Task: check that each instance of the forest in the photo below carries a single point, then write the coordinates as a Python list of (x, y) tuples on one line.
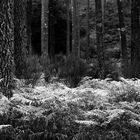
[(69, 70)]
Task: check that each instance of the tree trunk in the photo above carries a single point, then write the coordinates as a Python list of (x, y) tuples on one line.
[(51, 40), (103, 19), (44, 27), (29, 23), (88, 30), (6, 46), (68, 27), (20, 37), (78, 29), (135, 38), (76, 41), (124, 56), (100, 38)]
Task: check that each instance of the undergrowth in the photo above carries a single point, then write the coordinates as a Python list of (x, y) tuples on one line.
[(33, 70), (73, 70)]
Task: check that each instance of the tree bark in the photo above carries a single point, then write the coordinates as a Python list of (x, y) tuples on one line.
[(68, 27), (20, 37), (103, 19), (88, 30), (135, 38), (100, 38), (76, 41), (44, 27), (29, 23), (124, 55), (6, 46)]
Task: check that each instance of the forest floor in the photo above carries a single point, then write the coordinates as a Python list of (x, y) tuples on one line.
[(96, 109)]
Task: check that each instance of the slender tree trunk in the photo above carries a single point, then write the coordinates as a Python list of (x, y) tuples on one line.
[(78, 29), (20, 36), (51, 40), (124, 56), (6, 46), (72, 27), (100, 38), (135, 37), (68, 27), (29, 23), (76, 41), (88, 30), (44, 27), (103, 19)]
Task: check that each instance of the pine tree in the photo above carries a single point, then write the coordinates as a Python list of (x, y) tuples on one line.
[(68, 27), (103, 19), (6, 46), (135, 37), (29, 23), (88, 31), (124, 56), (76, 36), (100, 38), (44, 27), (51, 30), (20, 36)]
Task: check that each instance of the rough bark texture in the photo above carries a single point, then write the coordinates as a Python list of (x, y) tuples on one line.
[(20, 36), (44, 27), (124, 56), (6, 46), (99, 38), (135, 37), (76, 41)]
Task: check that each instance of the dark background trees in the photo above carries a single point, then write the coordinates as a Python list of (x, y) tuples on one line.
[(112, 24), (103, 36)]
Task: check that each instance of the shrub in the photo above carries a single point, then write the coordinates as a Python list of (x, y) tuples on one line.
[(48, 67), (73, 70), (33, 69), (129, 93), (93, 69)]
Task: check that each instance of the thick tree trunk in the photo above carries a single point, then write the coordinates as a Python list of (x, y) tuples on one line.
[(68, 27), (20, 36), (124, 55), (76, 41), (135, 38), (44, 27), (100, 38), (6, 46)]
